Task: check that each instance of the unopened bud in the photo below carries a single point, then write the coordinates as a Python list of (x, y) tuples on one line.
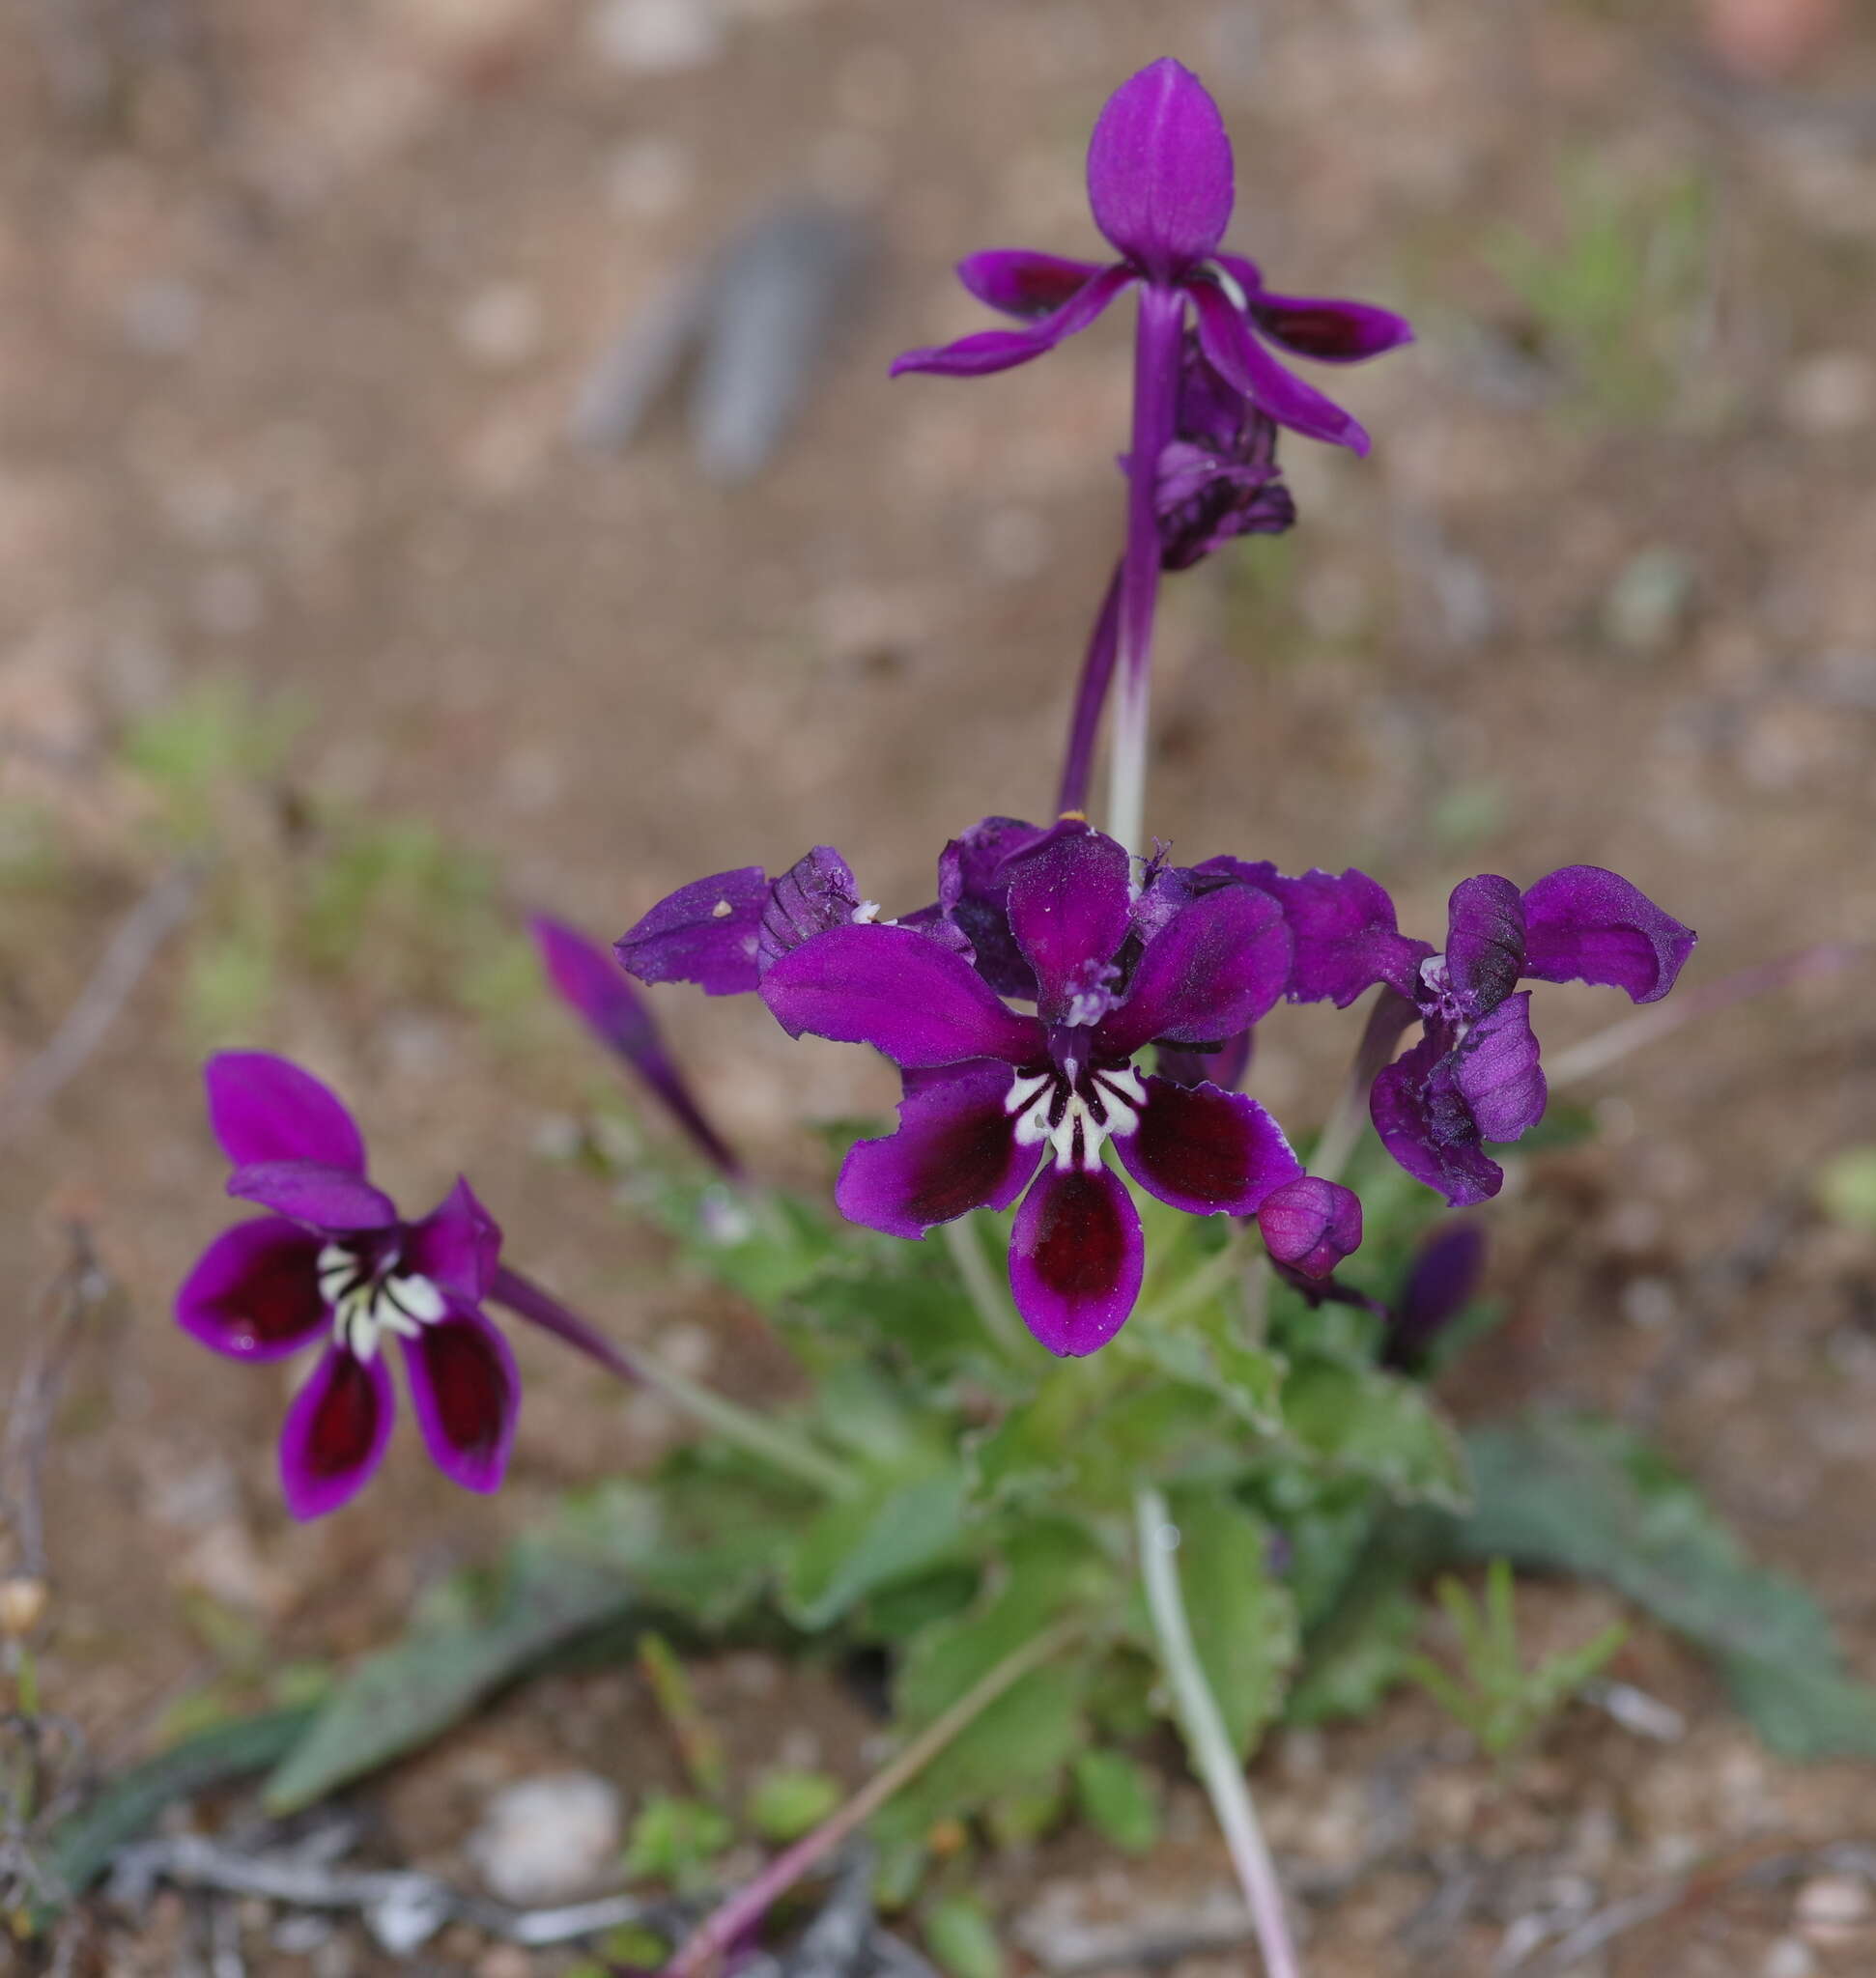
[(22, 1606)]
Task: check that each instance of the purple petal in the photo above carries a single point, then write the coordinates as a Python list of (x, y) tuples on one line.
[(324, 1198), (263, 1107), (703, 933), (974, 894), (1205, 1151), (1214, 969), (1585, 925), (1310, 1224), (1497, 1073), (1076, 1258), (998, 350), (1224, 1067), (1069, 910), (1023, 284), (1485, 941), (593, 983), (1425, 1123), (457, 1246), (254, 1292), (1159, 170), (1246, 365), (816, 892), (466, 1393), (899, 991), (335, 1432), (1327, 328), (956, 1150), (1440, 1283), (1342, 925)]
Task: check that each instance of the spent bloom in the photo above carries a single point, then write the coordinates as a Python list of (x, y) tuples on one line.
[(1474, 1075), (1160, 187), (333, 1260), (999, 1104)]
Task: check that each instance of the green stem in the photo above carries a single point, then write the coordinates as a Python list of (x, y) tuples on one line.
[(783, 1448), (988, 1298), (1209, 1744)]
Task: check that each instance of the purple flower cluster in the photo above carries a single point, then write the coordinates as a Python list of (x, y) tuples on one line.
[(1183, 962)]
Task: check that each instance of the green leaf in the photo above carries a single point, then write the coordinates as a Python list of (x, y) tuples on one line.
[(784, 1804), (1200, 1351), (1579, 1495), (1118, 1798), (404, 1696), (958, 1934), (1369, 1424), (675, 1840), (1360, 1653), (1243, 1621), (702, 1538), (856, 1545)]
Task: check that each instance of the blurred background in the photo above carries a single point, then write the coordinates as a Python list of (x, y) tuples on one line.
[(359, 591)]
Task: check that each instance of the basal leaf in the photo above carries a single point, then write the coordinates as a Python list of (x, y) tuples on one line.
[(404, 1696), (1118, 1798), (1580, 1495)]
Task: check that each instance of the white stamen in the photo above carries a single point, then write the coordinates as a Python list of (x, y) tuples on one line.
[(364, 1306), (866, 913), (722, 911), (1227, 281), (1078, 1136)]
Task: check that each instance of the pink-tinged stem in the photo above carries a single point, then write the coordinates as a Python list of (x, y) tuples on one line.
[(1214, 1756), (747, 1907), (1605, 1047), (1090, 697), (1156, 356), (771, 1442)]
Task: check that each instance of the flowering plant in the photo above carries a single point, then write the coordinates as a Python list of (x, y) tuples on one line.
[(1216, 1344)]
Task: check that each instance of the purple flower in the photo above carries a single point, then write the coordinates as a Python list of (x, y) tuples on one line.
[(992, 1094), (334, 1259), (1160, 183), (1438, 1285), (591, 983), (1475, 1074)]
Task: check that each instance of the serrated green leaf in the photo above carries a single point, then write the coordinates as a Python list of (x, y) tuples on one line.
[(894, 1532), (1369, 1424), (1027, 1455), (1200, 1351), (404, 1696), (1118, 1799), (1243, 1621), (1585, 1496)]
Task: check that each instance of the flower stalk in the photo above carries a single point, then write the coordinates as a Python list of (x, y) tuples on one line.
[(755, 1435), (744, 1910), (1206, 1738)]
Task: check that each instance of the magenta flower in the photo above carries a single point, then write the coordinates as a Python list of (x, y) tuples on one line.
[(1160, 186), (1474, 1075), (992, 1094), (333, 1260)]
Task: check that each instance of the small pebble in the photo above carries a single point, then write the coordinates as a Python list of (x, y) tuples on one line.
[(1833, 1909), (547, 1839), (500, 326), (1831, 392), (1788, 1958), (658, 37)]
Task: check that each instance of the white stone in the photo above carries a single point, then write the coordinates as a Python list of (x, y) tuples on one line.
[(548, 1839), (658, 37)]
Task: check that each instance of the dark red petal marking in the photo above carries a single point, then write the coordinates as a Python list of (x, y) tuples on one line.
[(1081, 1244), (345, 1428), (1198, 1149), (470, 1386)]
